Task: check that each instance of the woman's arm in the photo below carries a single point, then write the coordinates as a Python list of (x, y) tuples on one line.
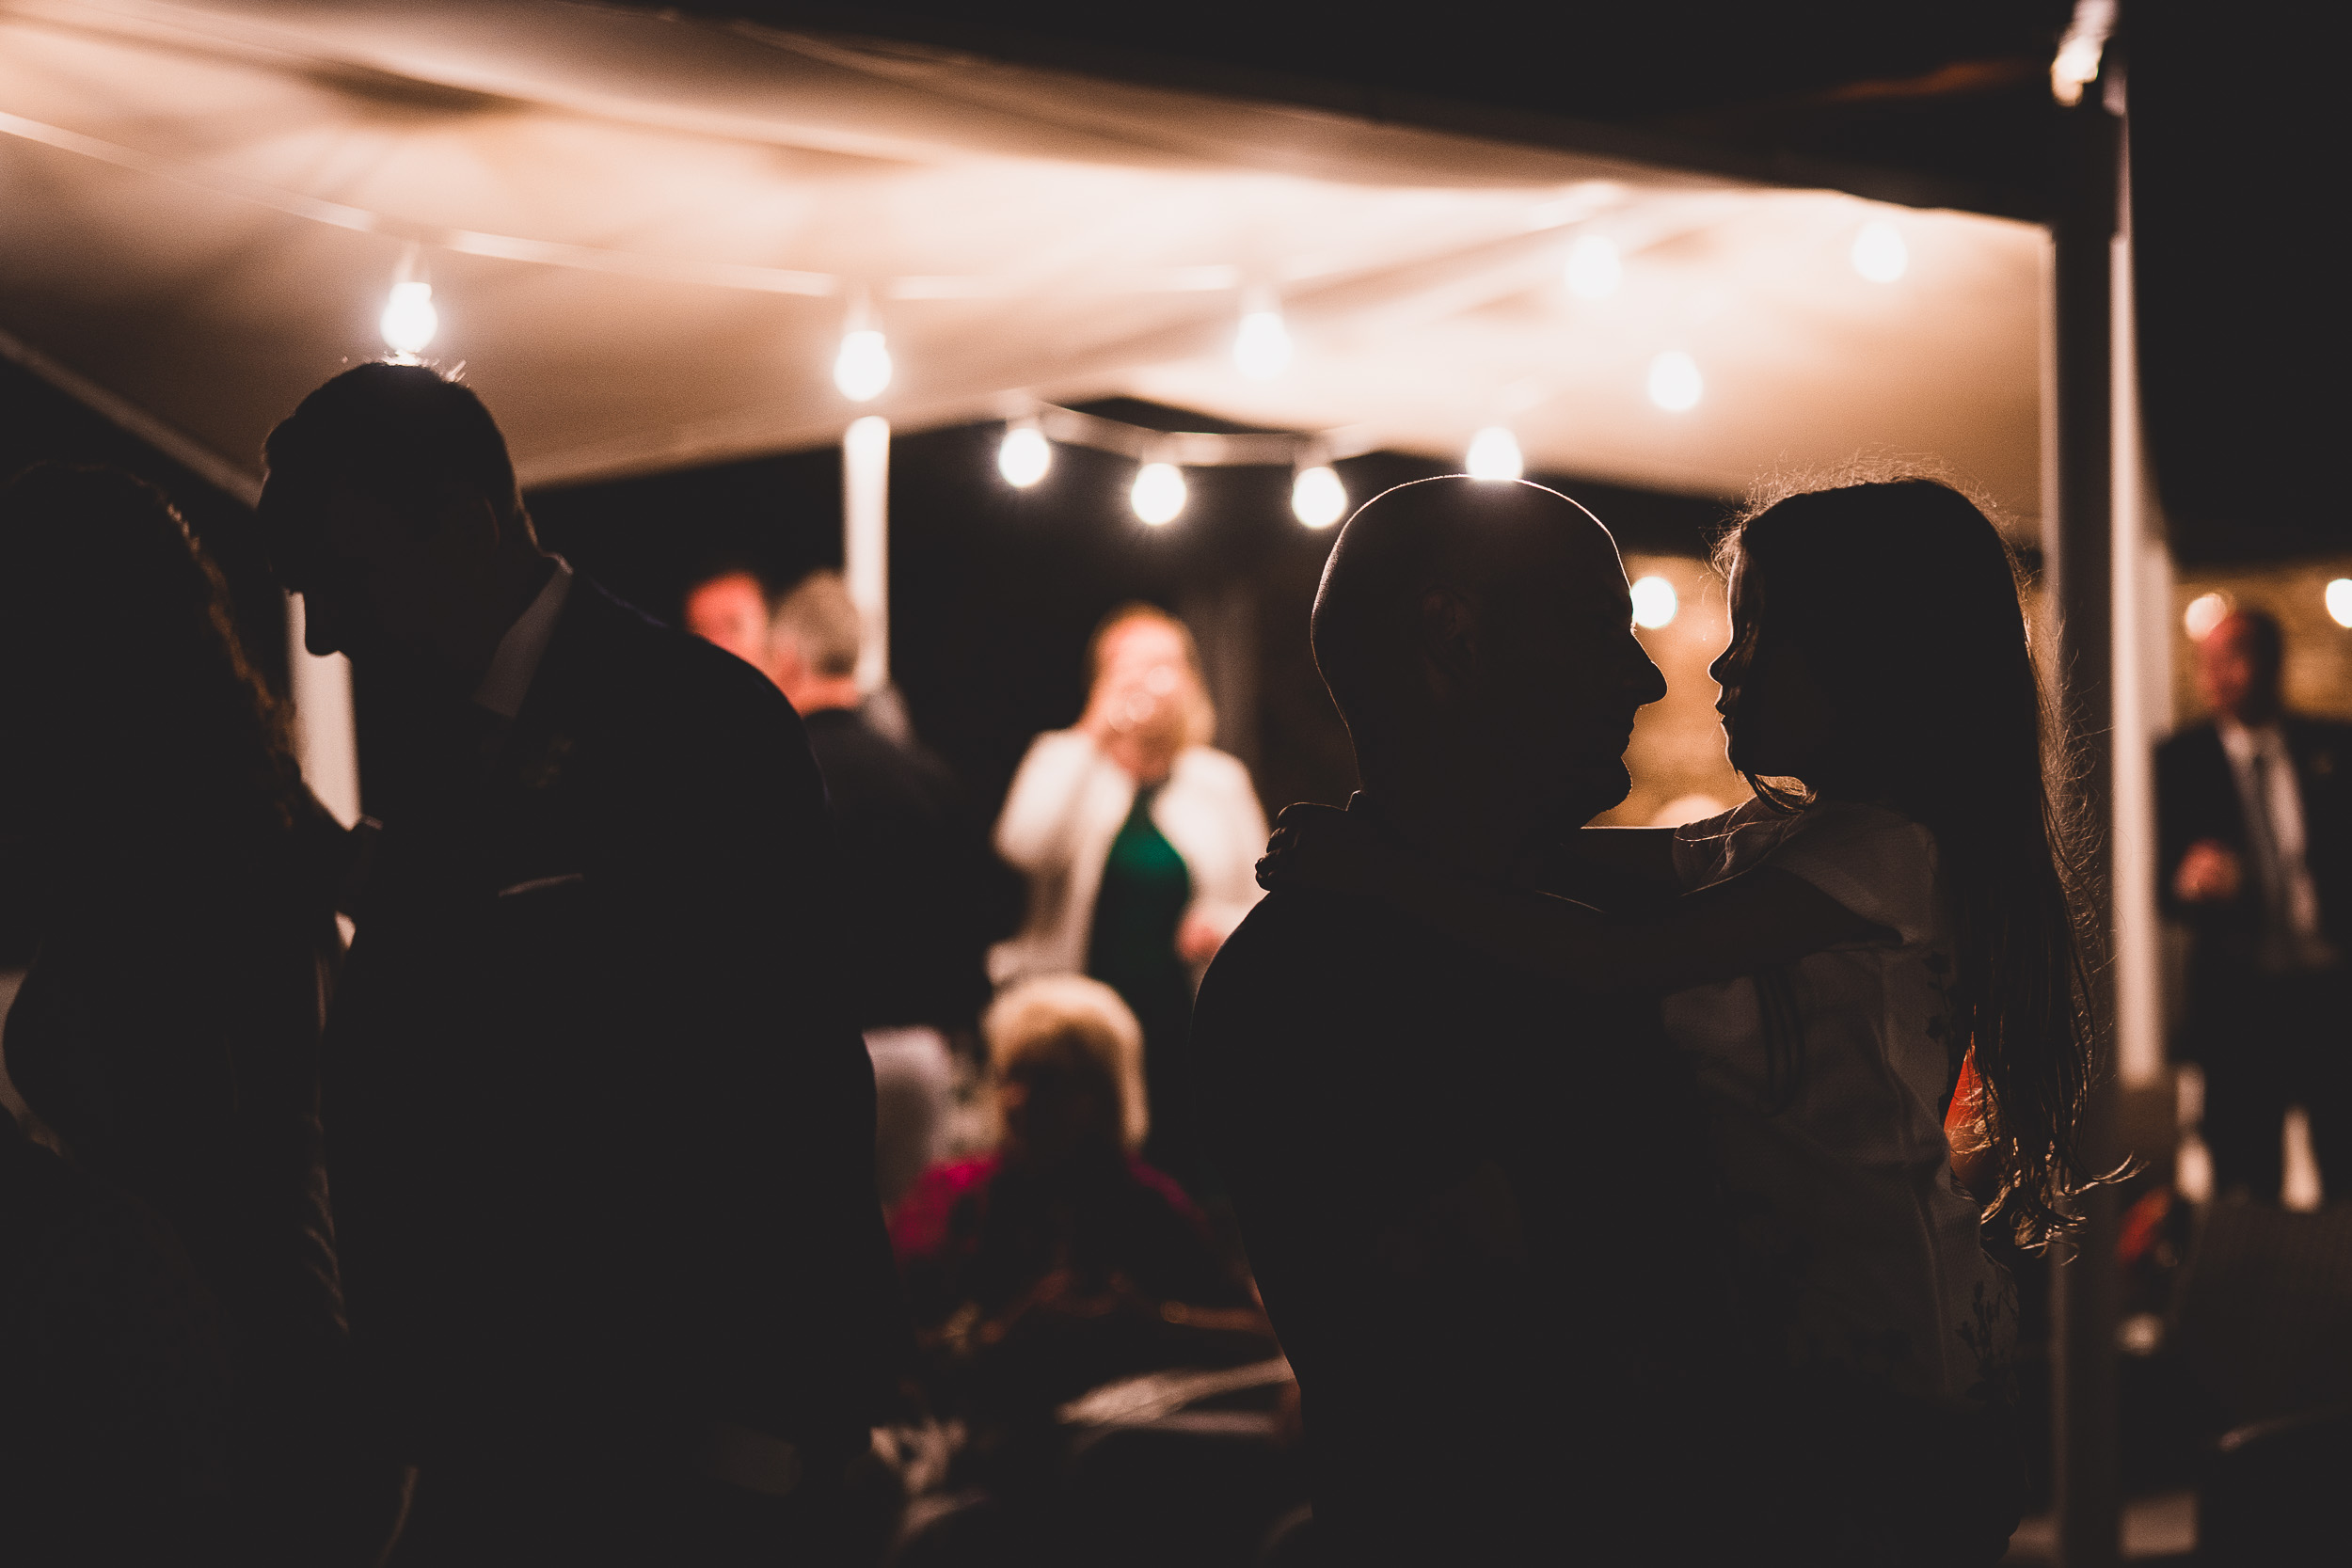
[(1750, 922), (1642, 854), (1033, 831)]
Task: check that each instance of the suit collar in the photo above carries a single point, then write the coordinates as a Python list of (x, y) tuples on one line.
[(506, 684)]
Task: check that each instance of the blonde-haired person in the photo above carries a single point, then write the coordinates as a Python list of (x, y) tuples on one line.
[(1141, 841), (1049, 1265)]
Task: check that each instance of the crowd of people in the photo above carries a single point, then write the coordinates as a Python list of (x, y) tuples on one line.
[(714, 1135)]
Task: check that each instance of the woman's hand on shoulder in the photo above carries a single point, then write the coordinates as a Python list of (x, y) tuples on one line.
[(1322, 846)]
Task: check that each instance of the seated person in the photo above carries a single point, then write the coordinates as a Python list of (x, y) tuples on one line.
[(1061, 1261)]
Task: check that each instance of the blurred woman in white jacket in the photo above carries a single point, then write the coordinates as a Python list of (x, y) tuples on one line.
[(1141, 842)]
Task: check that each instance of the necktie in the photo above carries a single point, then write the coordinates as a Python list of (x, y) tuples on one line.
[(2261, 844)]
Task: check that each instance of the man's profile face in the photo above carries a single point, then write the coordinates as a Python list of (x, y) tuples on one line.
[(1570, 679), (392, 588), (2230, 672), (732, 611)]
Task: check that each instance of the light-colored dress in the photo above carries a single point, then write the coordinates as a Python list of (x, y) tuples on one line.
[(1859, 1250)]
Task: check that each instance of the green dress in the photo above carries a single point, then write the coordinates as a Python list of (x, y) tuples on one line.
[(1141, 902)]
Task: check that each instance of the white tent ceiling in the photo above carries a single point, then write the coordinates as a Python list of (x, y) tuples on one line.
[(644, 233)]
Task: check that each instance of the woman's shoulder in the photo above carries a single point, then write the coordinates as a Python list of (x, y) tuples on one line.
[(1064, 746), (1859, 830), (1717, 848), (1208, 766), (1872, 858)]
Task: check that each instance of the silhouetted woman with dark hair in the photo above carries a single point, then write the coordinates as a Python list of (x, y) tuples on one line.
[(167, 1033), (1873, 966)]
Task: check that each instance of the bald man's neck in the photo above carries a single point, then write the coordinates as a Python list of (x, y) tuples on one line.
[(1467, 821)]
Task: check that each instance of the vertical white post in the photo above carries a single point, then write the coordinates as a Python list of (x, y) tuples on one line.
[(865, 542), (2138, 936), (326, 740)]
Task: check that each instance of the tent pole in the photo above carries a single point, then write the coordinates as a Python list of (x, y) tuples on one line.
[(2079, 562), (326, 739), (865, 543)]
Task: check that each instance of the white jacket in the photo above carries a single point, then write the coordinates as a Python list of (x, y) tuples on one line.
[(1069, 801)]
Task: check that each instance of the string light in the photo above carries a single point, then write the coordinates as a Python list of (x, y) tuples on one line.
[(2340, 601), (862, 368), (1594, 267), (1024, 455), (1879, 252), (1494, 453), (2208, 610), (1675, 382), (1654, 603), (2077, 64), (1318, 498), (1159, 493), (1261, 348), (409, 320)]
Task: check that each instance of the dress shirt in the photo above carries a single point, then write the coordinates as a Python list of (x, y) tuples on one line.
[(2295, 898), (507, 682)]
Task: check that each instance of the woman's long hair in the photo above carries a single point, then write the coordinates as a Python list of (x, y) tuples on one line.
[(124, 666), (1904, 600)]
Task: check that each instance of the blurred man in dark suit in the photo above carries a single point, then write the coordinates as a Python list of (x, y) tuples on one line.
[(598, 1125), (927, 893), (2255, 823)]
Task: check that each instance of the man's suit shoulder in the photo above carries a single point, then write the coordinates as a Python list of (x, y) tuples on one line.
[(686, 701), (2316, 737)]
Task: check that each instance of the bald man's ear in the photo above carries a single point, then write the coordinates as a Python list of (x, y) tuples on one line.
[(1450, 643)]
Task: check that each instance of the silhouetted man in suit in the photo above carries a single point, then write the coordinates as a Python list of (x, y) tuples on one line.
[(2255, 822), (927, 893), (599, 1127), (1474, 1202)]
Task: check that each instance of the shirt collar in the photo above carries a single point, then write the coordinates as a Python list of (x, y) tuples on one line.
[(2242, 741), (507, 682)]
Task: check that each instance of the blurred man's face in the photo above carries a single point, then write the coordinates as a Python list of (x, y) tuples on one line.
[(413, 592), (2231, 674), (1566, 678), (732, 611)]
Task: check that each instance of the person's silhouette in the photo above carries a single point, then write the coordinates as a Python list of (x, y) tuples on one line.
[(1476, 1205), (598, 1121)]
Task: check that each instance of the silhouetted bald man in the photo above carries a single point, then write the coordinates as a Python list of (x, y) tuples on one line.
[(1473, 1200)]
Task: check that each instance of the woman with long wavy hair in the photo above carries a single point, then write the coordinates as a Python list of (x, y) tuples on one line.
[(166, 1034), (1875, 968)]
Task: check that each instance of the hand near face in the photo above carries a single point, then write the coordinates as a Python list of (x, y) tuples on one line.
[(2210, 873), (1320, 847), (1138, 714)]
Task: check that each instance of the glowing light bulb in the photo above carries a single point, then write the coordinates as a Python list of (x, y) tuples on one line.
[(2340, 601), (1654, 603), (862, 368), (1025, 457), (1675, 382), (1159, 493), (1494, 453), (1263, 346), (1594, 267), (2208, 610), (1879, 252), (409, 320), (1318, 497)]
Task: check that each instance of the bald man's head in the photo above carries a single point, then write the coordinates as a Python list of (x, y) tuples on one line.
[(1489, 623)]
